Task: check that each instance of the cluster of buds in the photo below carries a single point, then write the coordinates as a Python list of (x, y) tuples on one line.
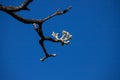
[(66, 36)]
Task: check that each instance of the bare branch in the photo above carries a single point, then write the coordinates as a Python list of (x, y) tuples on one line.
[(11, 11), (58, 12), (21, 19), (23, 6), (41, 42)]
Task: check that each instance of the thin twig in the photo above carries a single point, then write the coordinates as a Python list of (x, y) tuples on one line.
[(58, 12)]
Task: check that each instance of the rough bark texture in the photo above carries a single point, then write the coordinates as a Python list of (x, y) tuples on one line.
[(11, 10)]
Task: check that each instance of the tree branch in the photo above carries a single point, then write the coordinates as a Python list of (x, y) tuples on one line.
[(21, 19), (58, 12), (11, 11), (23, 6)]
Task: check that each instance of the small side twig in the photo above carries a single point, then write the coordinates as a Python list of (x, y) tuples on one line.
[(58, 12)]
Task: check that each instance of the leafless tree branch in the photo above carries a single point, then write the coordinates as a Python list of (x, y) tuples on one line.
[(11, 10), (58, 12), (23, 6)]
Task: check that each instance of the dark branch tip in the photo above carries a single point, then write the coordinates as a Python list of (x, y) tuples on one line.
[(58, 12), (26, 8)]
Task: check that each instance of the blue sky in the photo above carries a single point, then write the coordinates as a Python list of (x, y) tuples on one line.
[(94, 51)]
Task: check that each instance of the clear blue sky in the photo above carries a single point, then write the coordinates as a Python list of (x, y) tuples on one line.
[(94, 52)]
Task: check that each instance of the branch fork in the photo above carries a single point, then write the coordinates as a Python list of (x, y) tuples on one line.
[(11, 10), (45, 57)]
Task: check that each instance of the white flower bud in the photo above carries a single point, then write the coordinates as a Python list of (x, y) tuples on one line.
[(65, 37)]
